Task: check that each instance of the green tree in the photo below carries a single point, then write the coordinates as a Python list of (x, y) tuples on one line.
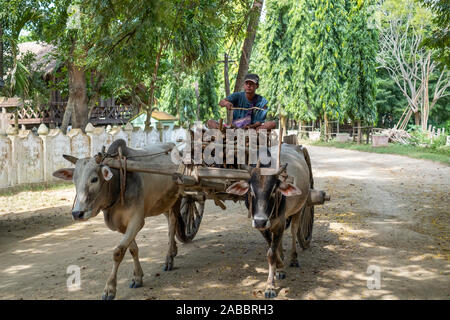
[(15, 16), (439, 39), (361, 50), (319, 29), (275, 60)]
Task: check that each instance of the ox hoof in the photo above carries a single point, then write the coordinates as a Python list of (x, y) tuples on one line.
[(135, 284), (281, 275), (168, 267), (270, 293), (109, 296), (294, 264)]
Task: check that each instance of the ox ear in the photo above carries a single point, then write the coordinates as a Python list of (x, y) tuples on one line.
[(70, 158), (65, 174), (289, 190), (106, 173), (238, 188)]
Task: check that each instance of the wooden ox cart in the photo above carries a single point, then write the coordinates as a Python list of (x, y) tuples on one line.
[(199, 182)]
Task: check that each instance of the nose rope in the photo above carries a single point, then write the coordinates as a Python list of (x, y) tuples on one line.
[(276, 206), (123, 177), (277, 203)]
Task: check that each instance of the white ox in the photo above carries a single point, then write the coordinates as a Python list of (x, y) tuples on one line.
[(98, 189)]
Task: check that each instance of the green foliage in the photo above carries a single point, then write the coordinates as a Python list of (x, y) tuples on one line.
[(178, 96), (422, 139), (15, 16), (439, 39), (361, 50), (317, 58), (275, 64), (318, 29)]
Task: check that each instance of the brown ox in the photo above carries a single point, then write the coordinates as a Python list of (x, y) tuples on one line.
[(271, 201)]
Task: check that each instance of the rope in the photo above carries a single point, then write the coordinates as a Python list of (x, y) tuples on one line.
[(247, 108), (276, 206)]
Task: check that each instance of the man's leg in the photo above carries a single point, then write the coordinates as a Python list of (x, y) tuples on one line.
[(267, 125)]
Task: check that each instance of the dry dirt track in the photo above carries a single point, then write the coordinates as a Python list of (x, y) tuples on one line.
[(387, 211)]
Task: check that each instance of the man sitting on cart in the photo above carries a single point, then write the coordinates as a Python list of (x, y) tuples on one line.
[(249, 108)]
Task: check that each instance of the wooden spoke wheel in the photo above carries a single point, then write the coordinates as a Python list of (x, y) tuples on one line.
[(191, 214), (305, 230)]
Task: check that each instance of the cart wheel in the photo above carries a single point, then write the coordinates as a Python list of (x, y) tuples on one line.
[(191, 214), (304, 233)]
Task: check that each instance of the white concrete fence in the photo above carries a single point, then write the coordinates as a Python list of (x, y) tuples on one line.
[(29, 158)]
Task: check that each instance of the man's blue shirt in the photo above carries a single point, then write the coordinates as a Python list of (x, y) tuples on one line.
[(239, 100)]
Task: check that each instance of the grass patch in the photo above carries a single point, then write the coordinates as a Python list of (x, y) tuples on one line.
[(439, 155), (35, 187)]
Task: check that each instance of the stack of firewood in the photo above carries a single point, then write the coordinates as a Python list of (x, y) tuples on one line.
[(397, 135)]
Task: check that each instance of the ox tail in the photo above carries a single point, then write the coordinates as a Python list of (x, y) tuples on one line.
[(308, 162)]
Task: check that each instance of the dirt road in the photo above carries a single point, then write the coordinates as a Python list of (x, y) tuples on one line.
[(388, 213)]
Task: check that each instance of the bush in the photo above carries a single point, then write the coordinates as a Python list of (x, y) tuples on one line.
[(421, 138)]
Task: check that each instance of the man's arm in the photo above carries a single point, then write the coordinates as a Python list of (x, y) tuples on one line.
[(225, 104)]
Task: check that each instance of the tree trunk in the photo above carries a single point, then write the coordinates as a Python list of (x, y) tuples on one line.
[(248, 44), (283, 124), (66, 118), (227, 87), (325, 122), (153, 83), (358, 138), (77, 106), (95, 98), (417, 118)]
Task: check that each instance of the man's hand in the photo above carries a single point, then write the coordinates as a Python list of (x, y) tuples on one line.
[(225, 103), (228, 105)]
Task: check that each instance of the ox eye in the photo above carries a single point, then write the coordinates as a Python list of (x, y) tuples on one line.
[(94, 180)]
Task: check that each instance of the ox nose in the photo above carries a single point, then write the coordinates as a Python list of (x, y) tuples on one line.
[(261, 223), (77, 215)]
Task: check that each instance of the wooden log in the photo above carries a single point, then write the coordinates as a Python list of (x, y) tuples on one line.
[(219, 203), (141, 166), (216, 185), (222, 173), (184, 180), (190, 181)]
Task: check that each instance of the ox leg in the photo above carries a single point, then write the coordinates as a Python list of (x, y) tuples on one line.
[(280, 274), (294, 228), (266, 234), (109, 293), (173, 250), (272, 258), (138, 273)]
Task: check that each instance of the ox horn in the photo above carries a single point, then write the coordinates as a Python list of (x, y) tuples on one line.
[(70, 158), (98, 158), (246, 167), (282, 168)]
